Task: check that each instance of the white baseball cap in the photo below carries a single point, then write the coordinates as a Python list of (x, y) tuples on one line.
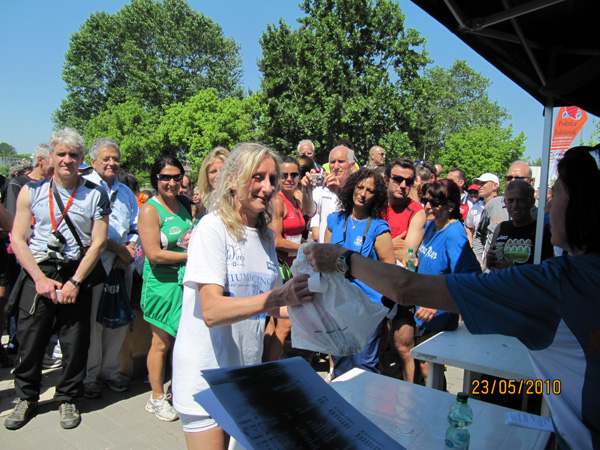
[(486, 177)]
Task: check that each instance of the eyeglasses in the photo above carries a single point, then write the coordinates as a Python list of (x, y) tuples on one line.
[(434, 202), (510, 178), (398, 179), (294, 175), (381, 154), (167, 178)]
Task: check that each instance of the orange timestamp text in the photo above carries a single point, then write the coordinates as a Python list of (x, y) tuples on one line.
[(502, 386)]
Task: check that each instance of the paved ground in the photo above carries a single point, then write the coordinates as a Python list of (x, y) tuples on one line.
[(114, 421)]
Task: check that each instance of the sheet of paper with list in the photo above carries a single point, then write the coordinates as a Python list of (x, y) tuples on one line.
[(286, 405)]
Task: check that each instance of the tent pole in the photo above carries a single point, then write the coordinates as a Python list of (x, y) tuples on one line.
[(546, 142)]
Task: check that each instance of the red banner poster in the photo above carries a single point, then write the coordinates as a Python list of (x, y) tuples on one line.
[(569, 122)]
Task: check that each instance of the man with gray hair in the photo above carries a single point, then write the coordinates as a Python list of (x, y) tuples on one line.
[(20, 167), (42, 169), (104, 357), (495, 211), (513, 242), (341, 159), (307, 148), (70, 223)]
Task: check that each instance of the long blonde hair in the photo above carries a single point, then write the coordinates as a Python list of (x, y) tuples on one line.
[(235, 177), (204, 187)]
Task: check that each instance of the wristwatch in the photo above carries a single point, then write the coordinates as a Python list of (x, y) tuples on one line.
[(342, 264), (74, 283)]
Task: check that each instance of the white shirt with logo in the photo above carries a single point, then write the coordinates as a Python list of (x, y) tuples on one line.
[(243, 269)]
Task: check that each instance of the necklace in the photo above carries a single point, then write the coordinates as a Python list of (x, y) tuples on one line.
[(354, 223)]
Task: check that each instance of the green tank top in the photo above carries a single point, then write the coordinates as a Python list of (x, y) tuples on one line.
[(172, 226)]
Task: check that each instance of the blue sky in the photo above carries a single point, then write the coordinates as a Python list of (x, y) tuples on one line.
[(34, 36)]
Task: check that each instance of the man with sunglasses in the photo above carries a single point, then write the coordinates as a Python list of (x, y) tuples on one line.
[(376, 157), (104, 358), (407, 224), (495, 211), (70, 223)]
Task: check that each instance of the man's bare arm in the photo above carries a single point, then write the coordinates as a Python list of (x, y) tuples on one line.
[(22, 223)]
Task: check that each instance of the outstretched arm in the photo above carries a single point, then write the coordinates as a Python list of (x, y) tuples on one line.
[(400, 285), (217, 312)]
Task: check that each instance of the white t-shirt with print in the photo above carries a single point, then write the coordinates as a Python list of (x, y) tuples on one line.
[(244, 269)]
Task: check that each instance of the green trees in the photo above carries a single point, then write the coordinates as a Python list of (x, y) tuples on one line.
[(151, 52), (188, 130), (481, 149), (7, 149), (159, 78), (350, 71), (455, 101)]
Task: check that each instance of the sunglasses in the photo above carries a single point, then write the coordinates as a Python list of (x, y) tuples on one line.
[(167, 178), (510, 178), (294, 175), (398, 179), (434, 202)]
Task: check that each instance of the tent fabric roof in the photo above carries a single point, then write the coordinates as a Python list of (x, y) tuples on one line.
[(551, 48)]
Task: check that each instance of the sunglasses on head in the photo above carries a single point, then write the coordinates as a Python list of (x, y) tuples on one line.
[(165, 177), (398, 179), (434, 202), (511, 178), (294, 175)]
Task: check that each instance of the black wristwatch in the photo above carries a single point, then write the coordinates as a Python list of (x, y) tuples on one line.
[(74, 283), (342, 264)]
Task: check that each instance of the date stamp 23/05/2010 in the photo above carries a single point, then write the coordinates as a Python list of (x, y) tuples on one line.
[(528, 387)]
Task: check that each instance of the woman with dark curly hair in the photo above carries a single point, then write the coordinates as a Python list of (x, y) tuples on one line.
[(359, 226)]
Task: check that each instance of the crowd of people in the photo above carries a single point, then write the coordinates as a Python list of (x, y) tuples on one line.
[(215, 272)]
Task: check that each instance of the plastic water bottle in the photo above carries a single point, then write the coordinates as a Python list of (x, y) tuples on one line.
[(460, 418), (411, 260)]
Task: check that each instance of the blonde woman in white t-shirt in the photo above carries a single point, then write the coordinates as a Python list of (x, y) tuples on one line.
[(231, 282)]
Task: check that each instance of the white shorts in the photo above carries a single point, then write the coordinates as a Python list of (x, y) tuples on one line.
[(197, 424)]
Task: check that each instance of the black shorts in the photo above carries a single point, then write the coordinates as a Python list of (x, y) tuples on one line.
[(406, 313)]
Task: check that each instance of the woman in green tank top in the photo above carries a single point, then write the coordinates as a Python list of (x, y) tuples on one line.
[(162, 221)]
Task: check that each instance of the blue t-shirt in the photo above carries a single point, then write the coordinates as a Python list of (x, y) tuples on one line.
[(554, 309), (442, 252), (352, 239)]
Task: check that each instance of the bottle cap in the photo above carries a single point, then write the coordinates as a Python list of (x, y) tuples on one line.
[(462, 397), (410, 250)]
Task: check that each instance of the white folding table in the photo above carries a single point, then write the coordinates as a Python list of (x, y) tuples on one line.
[(393, 404), (491, 354)]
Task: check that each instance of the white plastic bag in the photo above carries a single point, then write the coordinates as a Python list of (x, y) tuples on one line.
[(340, 320)]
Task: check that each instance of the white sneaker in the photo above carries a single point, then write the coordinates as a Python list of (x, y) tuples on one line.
[(162, 408), (330, 376), (50, 362)]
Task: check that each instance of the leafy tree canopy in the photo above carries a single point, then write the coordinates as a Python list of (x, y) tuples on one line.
[(188, 130), (7, 149), (455, 100), (152, 52), (480, 149), (351, 71)]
